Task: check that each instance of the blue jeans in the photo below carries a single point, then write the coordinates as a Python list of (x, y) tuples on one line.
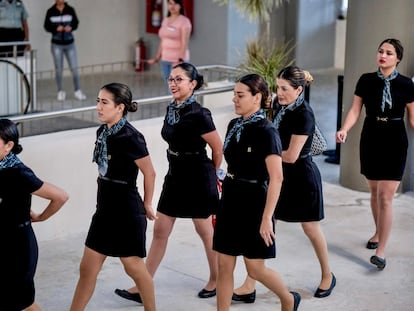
[(69, 51), (166, 68)]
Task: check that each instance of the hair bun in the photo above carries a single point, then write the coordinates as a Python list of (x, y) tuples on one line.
[(308, 77)]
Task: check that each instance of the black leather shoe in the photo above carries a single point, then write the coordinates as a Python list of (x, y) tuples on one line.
[(204, 293), (378, 261), (322, 293), (296, 300), (372, 245), (246, 298), (127, 295)]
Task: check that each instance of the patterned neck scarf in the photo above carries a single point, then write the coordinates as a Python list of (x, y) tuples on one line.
[(9, 160), (299, 101), (386, 92), (240, 123), (100, 154), (173, 111)]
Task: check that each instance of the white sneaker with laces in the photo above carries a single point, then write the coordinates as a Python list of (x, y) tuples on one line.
[(79, 95), (61, 96)]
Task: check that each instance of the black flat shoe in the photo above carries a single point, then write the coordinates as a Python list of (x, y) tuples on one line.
[(246, 298), (322, 293), (296, 300), (127, 295), (378, 261), (204, 293), (372, 245)]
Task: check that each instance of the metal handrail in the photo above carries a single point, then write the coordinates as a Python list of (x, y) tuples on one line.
[(142, 101)]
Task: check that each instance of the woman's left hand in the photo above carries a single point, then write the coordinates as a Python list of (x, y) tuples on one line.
[(266, 231)]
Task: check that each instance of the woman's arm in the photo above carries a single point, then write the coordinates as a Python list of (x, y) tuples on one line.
[(410, 114), (185, 38), (214, 141), (57, 198), (295, 147), (274, 168), (350, 120), (147, 169)]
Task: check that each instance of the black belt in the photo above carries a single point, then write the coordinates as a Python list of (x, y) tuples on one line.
[(183, 153), (384, 119), (250, 181), (123, 182), (25, 224)]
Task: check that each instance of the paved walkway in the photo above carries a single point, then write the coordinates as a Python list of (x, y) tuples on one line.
[(348, 224)]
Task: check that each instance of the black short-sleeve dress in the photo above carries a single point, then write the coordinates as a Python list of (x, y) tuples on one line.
[(118, 227), (190, 185), (301, 197), (384, 143), (19, 255), (244, 192)]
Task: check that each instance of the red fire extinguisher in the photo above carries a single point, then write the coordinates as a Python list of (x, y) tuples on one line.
[(140, 51)]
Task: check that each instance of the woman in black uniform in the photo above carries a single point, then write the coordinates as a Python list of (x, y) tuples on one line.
[(19, 256), (301, 198), (386, 94), (118, 227), (190, 186), (245, 223)]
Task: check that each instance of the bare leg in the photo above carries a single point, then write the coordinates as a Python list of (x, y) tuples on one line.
[(373, 185), (163, 226), (205, 230), (247, 287), (314, 232), (272, 280), (225, 281), (136, 269), (385, 191), (90, 266)]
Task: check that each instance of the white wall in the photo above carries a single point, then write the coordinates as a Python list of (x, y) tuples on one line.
[(65, 159), (107, 30)]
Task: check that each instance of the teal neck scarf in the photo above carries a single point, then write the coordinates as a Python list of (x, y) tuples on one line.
[(240, 123), (386, 92), (100, 154), (9, 160), (173, 110), (299, 101)]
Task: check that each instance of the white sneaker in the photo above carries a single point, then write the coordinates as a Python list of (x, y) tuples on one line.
[(61, 96), (79, 95)]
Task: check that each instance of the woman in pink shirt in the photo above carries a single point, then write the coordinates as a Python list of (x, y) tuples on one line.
[(174, 36)]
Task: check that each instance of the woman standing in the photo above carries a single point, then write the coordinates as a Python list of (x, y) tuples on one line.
[(174, 36), (386, 94), (118, 227), (245, 224), (190, 186), (61, 21), (18, 241), (301, 198)]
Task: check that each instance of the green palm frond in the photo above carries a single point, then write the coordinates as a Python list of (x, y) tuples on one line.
[(267, 61)]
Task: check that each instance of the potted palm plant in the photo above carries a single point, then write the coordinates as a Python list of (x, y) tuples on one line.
[(263, 56)]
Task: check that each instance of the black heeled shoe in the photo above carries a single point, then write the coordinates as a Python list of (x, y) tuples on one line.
[(246, 298), (322, 293), (296, 300), (378, 261), (127, 295), (204, 293), (372, 245)]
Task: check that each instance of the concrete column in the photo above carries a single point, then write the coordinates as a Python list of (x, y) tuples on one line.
[(368, 23)]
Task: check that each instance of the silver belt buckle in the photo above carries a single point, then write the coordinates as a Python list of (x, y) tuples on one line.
[(382, 119)]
